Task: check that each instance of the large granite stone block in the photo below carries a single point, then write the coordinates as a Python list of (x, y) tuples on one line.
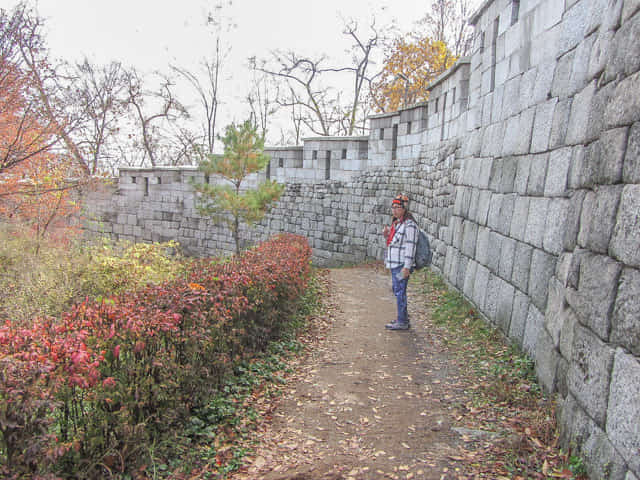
[(624, 105), (625, 325), (506, 256), (522, 174), (561, 114), (522, 266), (631, 168), (626, 234), (562, 76), (519, 316), (542, 268), (504, 309), (625, 52), (481, 287), (598, 218), (469, 238), (538, 209), (597, 287), (483, 246), (495, 249), (484, 202), (547, 359), (506, 214), (542, 126), (520, 218), (556, 225), (569, 323), (581, 109), (623, 413), (537, 174), (535, 323), (469, 278), (590, 373), (574, 25), (493, 218), (558, 172), (613, 145), (556, 312)]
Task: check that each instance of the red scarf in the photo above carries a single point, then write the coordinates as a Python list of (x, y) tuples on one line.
[(392, 230)]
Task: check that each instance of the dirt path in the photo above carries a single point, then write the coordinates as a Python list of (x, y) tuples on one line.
[(367, 403)]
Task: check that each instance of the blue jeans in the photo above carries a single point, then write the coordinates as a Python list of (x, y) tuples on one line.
[(399, 285)]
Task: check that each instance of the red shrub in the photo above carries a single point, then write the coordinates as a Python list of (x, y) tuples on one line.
[(112, 375)]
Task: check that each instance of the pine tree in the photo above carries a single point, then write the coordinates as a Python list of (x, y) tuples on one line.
[(227, 202)]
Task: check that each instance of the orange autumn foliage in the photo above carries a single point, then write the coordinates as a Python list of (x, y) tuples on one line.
[(35, 189), (408, 70)]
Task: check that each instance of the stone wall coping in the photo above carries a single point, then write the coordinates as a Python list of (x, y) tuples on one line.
[(284, 149), (359, 138), (159, 168), (473, 19), (397, 112), (450, 71)]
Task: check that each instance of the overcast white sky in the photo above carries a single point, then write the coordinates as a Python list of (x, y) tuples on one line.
[(150, 34)]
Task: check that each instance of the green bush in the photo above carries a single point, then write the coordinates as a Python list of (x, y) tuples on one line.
[(43, 279)]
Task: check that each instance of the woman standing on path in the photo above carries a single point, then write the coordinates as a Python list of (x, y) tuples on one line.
[(401, 237)]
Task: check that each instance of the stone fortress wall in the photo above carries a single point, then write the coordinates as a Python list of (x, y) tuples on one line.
[(523, 167)]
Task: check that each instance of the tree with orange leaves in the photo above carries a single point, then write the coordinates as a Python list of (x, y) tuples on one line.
[(34, 177), (408, 70)]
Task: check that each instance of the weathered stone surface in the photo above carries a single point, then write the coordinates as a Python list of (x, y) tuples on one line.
[(604, 460), (522, 266), (535, 323), (520, 218), (505, 305), (624, 107), (558, 172), (507, 254), (625, 328), (574, 25), (483, 245), (556, 311), (624, 58), (534, 233), (631, 169), (547, 361), (626, 234), (597, 287), (537, 174), (556, 225), (469, 278), (613, 144), (624, 408), (569, 324), (589, 373), (542, 268), (542, 126), (630, 8), (598, 218), (519, 316), (522, 174), (560, 122), (577, 130), (481, 287), (470, 234)]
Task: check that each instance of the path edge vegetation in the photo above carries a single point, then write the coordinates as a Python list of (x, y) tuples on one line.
[(506, 397)]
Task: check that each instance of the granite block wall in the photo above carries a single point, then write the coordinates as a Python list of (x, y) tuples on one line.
[(524, 169)]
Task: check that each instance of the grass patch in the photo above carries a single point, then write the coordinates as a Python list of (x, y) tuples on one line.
[(501, 393)]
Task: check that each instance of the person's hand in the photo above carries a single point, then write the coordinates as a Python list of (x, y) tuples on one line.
[(385, 231), (405, 273)]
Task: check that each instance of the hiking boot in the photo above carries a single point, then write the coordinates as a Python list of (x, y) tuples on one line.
[(397, 326)]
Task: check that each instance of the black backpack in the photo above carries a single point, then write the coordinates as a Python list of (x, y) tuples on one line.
[(423, 251)]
